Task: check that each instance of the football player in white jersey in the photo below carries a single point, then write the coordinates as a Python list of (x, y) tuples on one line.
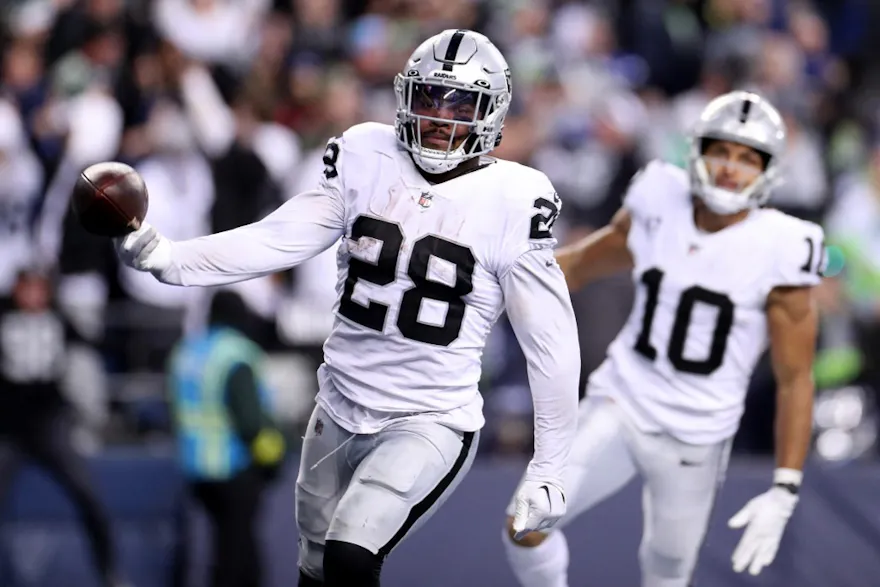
[(718, 278), (438, 240)]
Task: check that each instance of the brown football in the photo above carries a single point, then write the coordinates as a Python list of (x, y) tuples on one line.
[(110, 199)]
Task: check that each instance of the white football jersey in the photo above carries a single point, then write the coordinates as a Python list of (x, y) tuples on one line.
[(424, 271), (418, 281), (683, 360)]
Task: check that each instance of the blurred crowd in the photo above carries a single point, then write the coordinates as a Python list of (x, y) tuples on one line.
[(225, 106)]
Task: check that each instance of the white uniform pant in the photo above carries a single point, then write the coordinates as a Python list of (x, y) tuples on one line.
[(680, 484), (374, 489)]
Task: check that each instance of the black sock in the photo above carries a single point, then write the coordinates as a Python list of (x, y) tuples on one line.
[(350, 565), (306, 581)]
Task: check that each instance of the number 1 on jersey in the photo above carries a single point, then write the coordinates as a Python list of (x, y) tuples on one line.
[(652, 278), (808, 266)]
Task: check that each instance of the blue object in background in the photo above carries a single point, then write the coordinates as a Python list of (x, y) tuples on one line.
[(833, 538)]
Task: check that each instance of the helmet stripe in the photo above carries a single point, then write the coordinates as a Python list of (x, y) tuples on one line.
[(744, 115), (452, 49)]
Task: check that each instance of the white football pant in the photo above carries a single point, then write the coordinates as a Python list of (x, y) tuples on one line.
[(680, 483), (374, 489)]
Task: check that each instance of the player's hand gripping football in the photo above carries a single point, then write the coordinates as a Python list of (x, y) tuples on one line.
[(764, 519), (539, 506), (144, 249)]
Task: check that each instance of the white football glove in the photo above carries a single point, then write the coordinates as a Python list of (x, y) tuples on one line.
[(539, 506), (144, 249), (764, 518)]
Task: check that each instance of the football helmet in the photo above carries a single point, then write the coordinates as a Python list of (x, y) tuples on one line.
[(748, 119), (463, 76)]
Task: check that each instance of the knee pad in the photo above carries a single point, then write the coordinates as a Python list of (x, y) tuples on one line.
[(396, 473), (350, 565)]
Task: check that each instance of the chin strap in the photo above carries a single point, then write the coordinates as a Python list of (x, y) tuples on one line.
[(435, 166)]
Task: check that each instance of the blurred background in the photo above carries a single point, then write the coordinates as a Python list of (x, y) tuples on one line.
[(225, 107)]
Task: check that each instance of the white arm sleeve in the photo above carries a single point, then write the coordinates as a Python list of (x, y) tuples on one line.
[(299, 229), (539, 309)]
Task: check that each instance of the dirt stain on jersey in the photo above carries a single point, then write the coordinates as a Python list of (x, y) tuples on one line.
[(407, 207), (392, 205)]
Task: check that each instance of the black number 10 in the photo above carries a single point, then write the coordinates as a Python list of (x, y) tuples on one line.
[(652, 278)]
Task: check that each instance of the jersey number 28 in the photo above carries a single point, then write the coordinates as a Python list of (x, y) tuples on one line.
[(384, 272), (683, 313)]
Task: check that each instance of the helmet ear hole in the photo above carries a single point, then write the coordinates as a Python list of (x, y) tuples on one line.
[(705, 143)]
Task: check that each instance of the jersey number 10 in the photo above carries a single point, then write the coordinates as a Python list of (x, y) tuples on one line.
[(384, 272), (683, 314)]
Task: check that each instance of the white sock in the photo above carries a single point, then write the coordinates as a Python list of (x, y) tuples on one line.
[(545, 565)]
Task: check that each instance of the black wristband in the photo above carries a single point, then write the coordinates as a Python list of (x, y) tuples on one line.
[(790, 487)]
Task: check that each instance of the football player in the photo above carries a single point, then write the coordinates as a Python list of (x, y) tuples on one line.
[(718, 278), (438, 240)]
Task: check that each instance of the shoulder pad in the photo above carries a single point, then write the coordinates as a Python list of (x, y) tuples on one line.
[(655, 187), (799, 251), (370, 136), (531, 207), (524, 183), (351, 151), (533, 200)]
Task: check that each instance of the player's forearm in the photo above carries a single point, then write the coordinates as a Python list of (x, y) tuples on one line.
[(540, 312), (601, 254), (301, 228), (539, 308), (794, 422), (555, 400), (792, 320), (223, 258)]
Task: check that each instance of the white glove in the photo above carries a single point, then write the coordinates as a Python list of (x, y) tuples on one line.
[(765, 517), (539, 506), (144, 249)]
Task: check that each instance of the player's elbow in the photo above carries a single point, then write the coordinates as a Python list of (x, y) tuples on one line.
[(794, 382)]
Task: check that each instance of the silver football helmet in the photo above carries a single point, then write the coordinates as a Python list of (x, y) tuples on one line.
[(457, 79), (744, 118)]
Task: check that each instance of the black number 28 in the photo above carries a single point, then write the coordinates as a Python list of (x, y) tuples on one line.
[(384, 271), (542, 222), (683, 313)]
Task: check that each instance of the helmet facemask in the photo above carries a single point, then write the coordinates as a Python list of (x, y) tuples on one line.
[(467, 118), (751, 192), (746, 119)]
